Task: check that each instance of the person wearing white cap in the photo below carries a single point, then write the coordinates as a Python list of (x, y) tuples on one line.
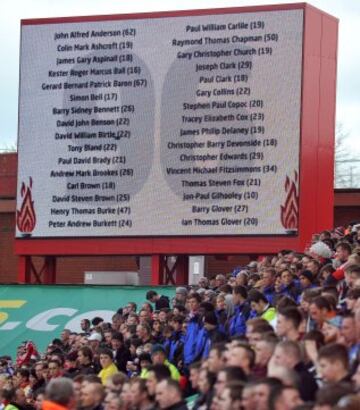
[(94, 341)]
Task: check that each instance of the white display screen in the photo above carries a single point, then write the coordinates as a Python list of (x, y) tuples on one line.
[(179, 126)]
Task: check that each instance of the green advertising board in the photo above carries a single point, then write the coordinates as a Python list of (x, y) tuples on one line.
[(40, 313)]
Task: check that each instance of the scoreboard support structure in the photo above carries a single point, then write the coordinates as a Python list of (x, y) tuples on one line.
[(162, 273)]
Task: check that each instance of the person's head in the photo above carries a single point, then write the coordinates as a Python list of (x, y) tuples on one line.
[(352, 274), (60, 391), (85, 325), (194, 301), (220, 302), (215, 360), (116, 321), (314, 267), (131, 307), (125, 395), (287, 353), (113, 402), (158, 354), (227, 375), (306, 279), (106, 358), (117, 340), (152, 296), (54, 368), (194, 370), (115, 382), (156, 374), (203, 282), (351, 298), (331, 329), (284, 398), (264, 349), (319, 309), (176, 323), (20, 397), (39, 396), (268, 277), (21, 376), (241, 355), (333, 363), (257, 301), (255, 329), (286, 277), (230, 397), (342, 251), (144, 316), (94, 341), (84, 356), (248, 398), (206, 380), (262, 389), (65, 335), (92, 394), (220, 280), (139, 393), (328, 396), (210, 320), (288, 321), (143, 331), (181, 295), (242, 278), (168, 393), (239, 294)]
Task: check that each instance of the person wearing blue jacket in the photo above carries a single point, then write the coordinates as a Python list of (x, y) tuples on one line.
[(237, 323), (209, 335), (193, 327)]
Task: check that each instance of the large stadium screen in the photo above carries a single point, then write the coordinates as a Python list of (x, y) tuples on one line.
[(179, 125)]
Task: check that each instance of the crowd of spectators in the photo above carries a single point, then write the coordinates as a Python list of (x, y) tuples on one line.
[(281, 333)]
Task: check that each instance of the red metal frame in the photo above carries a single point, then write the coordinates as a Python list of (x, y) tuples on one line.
[(316, 157)]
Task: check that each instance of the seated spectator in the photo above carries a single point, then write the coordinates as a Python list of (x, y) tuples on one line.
[(108, 366), (288, 323), (288, 354), (333, 364), (261, 306), (284, 398), (169, 395), (328, 396)]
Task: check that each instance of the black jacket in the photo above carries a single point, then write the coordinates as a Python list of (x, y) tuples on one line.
[(308, 386)]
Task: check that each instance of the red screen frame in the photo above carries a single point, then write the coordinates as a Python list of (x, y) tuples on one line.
[(317, 125)]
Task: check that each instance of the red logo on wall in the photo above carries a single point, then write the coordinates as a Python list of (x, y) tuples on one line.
[(290, 209), (26, 217)]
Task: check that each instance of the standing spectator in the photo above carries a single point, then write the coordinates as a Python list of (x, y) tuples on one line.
[(160, 301), (237, 323), (194, 325)]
